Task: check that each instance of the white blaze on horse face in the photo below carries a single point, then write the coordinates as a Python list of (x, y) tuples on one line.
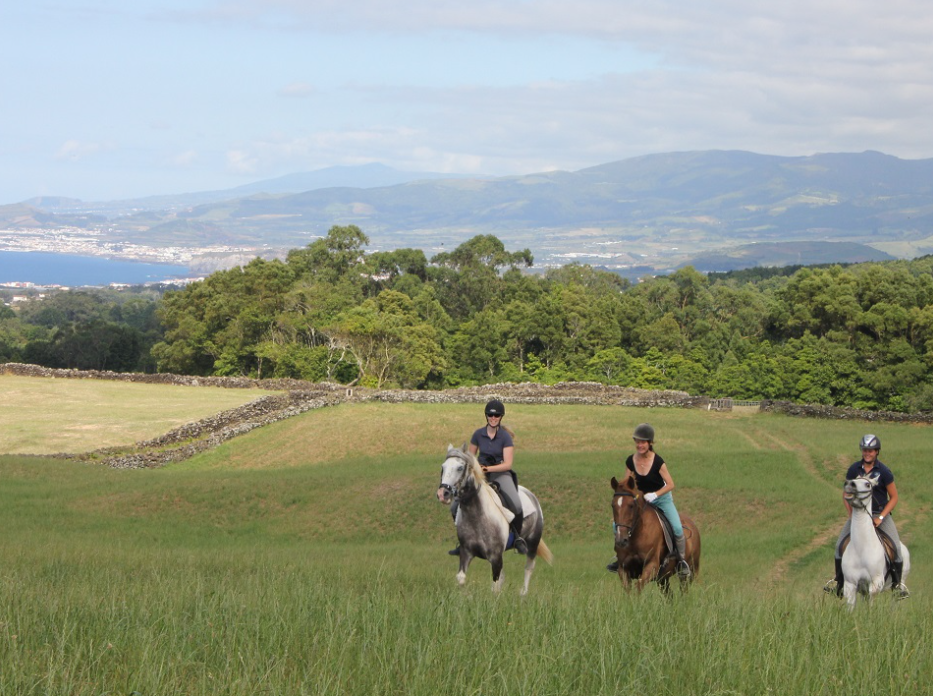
[(452, 472)]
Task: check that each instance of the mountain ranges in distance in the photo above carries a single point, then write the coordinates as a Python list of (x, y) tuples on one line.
[(715, 210)]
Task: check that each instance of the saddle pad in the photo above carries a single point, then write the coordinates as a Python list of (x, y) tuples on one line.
[(666, 528), (528, 506)]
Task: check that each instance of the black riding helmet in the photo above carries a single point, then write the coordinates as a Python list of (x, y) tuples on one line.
[(495, 408), (643, 432), (870, 442)]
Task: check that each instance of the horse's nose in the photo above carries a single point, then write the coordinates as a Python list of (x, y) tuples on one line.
[(443, 495)]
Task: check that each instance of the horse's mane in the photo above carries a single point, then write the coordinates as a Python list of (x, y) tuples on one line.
[(474, 470)]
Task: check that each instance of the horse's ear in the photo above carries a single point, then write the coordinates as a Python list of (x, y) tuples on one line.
[(615, 483), (629, 483), (465, 447), (450, 448)]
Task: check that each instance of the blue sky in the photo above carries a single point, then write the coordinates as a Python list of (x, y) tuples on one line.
[(105, 99)]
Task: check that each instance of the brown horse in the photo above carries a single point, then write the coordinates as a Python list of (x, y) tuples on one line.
[(639, 539)]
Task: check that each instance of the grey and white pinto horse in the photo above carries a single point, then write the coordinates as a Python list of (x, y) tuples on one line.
[(483, 522), (863, 562)]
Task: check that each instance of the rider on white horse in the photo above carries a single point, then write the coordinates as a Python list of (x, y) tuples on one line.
[(884, 499), (493, 447)]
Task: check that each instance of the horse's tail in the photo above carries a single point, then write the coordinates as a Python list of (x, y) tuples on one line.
[(544, 552)]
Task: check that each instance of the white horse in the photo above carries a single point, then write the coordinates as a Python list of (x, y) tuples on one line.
[(863, 561), (483, 522)]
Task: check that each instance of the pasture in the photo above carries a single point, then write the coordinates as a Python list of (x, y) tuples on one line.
[(309, 557), (46, 416)]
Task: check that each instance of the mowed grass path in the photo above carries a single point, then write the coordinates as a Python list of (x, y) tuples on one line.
[(47, 416), (309, 558)]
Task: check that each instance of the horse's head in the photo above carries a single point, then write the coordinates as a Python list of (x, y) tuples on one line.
[(858, 491), (626, 509), (458, 468)]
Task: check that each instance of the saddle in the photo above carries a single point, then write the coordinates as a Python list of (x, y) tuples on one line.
[(889, 552), (502, 501)]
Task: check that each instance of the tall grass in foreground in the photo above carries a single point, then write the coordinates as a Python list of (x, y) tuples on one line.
[(317, 565), (360, 622)]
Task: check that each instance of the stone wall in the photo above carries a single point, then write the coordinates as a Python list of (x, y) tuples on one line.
[(23, 370), (841, 413), (300, 396)]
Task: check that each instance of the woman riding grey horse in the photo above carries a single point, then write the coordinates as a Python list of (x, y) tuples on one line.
[(884, 499), (494, 448)]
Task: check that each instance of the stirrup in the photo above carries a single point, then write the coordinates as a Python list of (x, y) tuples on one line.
[(683, 568), (832, 587), (900, 591)]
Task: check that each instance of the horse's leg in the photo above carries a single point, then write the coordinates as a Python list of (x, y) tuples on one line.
[(877, 585), (649, 572), (465, 558), (498, 577), (850, 592), (529, 569), (623, 573)]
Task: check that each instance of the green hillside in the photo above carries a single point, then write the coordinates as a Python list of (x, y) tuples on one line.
[(308, 557), (660, 211)]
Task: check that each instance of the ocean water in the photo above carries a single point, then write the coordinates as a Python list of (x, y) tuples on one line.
[(44, 268)]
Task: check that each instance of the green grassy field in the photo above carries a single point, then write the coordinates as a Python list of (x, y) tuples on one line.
[(46, 416), (309, 557)]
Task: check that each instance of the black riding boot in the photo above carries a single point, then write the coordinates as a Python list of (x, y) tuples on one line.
[(519, 543), (835, 585), (683, 568), (898, 587)]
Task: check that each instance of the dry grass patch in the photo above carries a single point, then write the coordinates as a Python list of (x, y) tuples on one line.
[(42, 415)]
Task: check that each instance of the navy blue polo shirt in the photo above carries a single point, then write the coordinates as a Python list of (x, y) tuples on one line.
[(881, 475), (491, 447)]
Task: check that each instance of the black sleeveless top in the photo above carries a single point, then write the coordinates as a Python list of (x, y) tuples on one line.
[(650, 482)]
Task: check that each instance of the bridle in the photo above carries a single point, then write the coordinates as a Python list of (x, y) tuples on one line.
[(630, 527), (454, 489), (862, 497)]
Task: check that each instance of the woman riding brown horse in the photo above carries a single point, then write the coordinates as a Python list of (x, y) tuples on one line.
[(640, 546)]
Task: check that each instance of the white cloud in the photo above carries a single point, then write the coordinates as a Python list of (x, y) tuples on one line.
[(242, 162), (185, 159), (303, 84), (297, 90), (75, 150)]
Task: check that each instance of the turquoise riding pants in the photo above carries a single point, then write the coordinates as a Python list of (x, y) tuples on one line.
[(665, 503)]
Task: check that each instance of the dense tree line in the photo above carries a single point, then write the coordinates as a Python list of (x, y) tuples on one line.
[(860, 335), (85, 330)]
